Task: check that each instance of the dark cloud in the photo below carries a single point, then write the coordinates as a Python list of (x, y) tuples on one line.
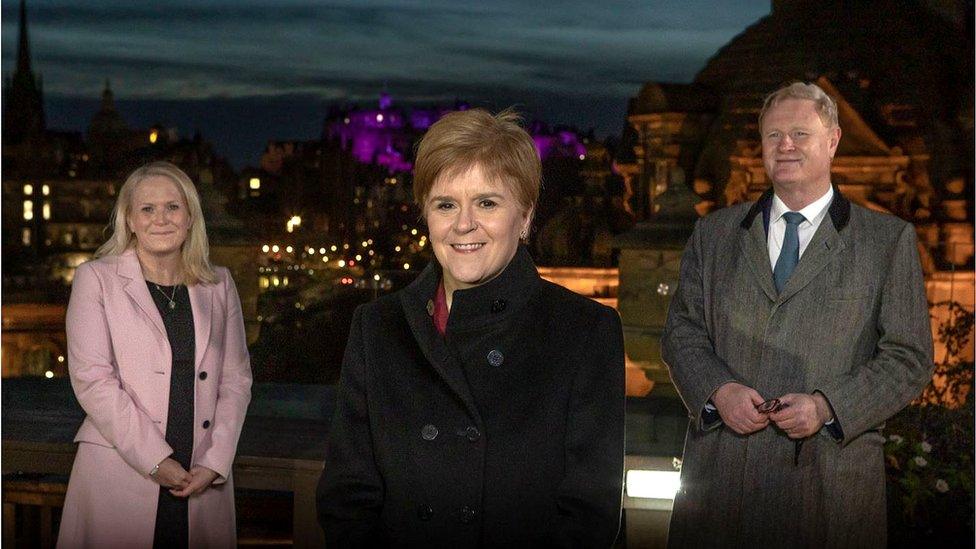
[(566, 61)]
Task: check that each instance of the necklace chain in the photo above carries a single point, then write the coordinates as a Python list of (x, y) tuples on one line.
[(172, 298)]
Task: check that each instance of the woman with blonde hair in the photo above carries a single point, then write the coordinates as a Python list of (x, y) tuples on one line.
[(158, 361)]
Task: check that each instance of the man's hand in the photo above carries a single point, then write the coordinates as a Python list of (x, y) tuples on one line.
[(737, 403), (171, 474), (802, 415), (200, 480)]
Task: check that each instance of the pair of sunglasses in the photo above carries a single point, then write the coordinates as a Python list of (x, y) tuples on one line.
[(771, 406)]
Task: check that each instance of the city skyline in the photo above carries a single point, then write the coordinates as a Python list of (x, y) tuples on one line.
[(244, 73)]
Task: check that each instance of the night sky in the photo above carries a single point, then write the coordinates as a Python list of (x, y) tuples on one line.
[(245, 71)]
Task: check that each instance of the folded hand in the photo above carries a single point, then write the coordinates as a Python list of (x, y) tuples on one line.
[(200, 480)]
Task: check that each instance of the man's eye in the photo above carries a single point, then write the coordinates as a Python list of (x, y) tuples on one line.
[(444, 206)]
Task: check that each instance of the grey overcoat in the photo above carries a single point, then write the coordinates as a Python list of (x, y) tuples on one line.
[(852, 322)]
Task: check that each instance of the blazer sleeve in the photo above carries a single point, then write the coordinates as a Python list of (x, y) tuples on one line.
[(686, 346), (589, 496), (234, 391), (95, 379), (902, 363), (350, 492)]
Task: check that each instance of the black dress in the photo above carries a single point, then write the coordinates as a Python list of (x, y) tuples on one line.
[(172, 520)]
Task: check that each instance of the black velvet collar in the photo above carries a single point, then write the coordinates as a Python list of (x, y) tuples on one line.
[(839, 210)]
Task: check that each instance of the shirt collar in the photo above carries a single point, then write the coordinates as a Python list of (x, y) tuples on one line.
[(812, 213)]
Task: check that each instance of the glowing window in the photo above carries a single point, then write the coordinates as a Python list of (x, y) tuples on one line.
[(28, 189), (46, 210), (254, 183), (28, 210)]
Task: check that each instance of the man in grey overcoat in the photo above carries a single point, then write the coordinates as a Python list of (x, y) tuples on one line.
[(805, 298)]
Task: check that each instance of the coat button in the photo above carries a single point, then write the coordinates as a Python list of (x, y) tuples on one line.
[(203, 375), (498, 305), (424, 512), (495, 357), (472, 433), (206, 424), (466, 515), (430, 307), (429, 432)]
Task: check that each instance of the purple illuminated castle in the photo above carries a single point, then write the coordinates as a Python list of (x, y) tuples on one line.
[(385, 136)]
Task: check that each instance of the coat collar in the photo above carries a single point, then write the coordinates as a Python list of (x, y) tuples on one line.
[(201, 302), (839, 210), (488, 303), (827, 241)]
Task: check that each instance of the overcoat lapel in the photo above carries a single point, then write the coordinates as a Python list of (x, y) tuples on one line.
[(201, 301), (415, 306), (752, 243), (135, 287), (826, 243)]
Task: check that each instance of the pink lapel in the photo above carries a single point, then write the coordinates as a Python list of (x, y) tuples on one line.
[(135, 286), (201, 301)]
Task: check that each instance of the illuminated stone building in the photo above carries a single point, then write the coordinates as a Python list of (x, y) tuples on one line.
[(902, 76)]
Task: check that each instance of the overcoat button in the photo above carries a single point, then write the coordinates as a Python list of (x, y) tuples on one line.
[(203, 375), (498, 305), (206, 424), (495, 357), (466, 515), (424, 512), (472, 433), (430, 307), (429, 432)]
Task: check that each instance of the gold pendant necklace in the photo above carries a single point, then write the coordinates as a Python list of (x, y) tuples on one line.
[(171, 299)]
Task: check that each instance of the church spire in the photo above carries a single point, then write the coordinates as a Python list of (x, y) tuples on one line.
[(24, 104), (23, 46)]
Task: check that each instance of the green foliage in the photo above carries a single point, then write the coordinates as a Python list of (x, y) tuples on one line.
[(929, 450)]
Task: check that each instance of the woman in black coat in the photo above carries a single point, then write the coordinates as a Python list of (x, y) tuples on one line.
[(481, 406)]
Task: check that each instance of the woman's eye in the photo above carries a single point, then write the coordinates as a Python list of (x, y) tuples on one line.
[(487, 203), (147, 209), (174, 207)]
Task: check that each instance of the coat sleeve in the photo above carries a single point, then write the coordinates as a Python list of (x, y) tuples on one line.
[(589, 496), (350, 493), (234, 391), (686, 346), (95, 378), (872, 392)]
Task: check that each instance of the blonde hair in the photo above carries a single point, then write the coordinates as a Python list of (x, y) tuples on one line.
[(825, 105), (496, 143), (195, 250)]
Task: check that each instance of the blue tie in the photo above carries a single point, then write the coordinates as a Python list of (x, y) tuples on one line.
[(789, 255)]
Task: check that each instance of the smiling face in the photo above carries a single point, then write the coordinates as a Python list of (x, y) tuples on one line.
[(475, 225), (158, 216), (797, 147)]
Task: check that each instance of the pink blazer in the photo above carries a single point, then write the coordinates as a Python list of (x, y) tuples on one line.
[(119, 360)]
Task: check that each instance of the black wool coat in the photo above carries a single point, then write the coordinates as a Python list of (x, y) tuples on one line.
[(506, 432)]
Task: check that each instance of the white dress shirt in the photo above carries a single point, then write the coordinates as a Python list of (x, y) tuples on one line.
[(814, 213)]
